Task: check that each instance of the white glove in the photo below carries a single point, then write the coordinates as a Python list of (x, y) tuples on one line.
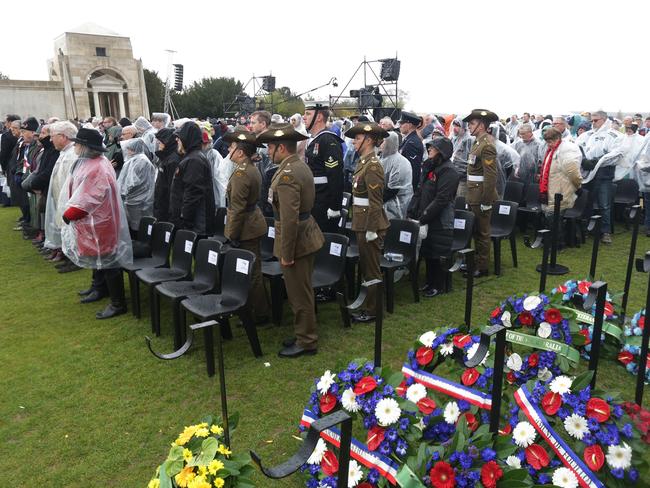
[(371, 236), (424, 231), (333, 214), (485, 208)]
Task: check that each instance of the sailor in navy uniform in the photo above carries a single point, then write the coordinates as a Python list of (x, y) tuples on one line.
[(412, 147)]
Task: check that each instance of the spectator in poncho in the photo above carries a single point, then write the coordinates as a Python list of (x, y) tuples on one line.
[(136, 183), (398, 177)]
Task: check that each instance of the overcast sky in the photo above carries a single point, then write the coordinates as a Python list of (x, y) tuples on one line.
[(509, 56)]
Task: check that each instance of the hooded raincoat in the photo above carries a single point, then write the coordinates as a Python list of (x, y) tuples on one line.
[(147, 133), (136, 182), (631, 146), (56, 198), (398, 178), (168, 159)]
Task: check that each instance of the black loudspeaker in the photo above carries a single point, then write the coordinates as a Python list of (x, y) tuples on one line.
[(268, 83), (390, 69), (178, 77)]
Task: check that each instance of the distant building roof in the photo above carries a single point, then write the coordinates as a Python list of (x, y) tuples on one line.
[(93, 29)]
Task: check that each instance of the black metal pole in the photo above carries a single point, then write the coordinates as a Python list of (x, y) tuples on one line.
[(640, 377), (546, 238), (595, 224), (635, 212), (555, 268), (344, 453), (222, 388), (497, 380), (379, 323), (597, 294), (469, 292)]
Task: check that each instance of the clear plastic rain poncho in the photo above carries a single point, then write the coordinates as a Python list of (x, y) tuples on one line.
[(642, 166), (100, 239), (398, 176), (167, 119), (508, 159), (218, 185), (56, 198), (147, 133), (631, 146), (136, 182)]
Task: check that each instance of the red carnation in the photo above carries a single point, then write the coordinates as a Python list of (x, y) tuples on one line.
[(609, 309), (553, 316), (511, 378), (598, 409), (551, 403), (470, 376), (327, 402), (426, 405), (401, 389), (442, 475), (365, 385), (462, 340), (641, 322), (533, 360), (594, 457), (424, 355), (583, 287), (375, 437), (490, 474), (329, 463), (537, 456), (472, 421), (585, 333), (562, 289), (526, 318), (625, 357), (496, 312), (505, 430)]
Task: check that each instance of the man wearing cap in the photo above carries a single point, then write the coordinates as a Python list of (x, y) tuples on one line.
[(21, 165), (324, 156), (245, 224), (297, 236), (481, 183), (369, 220), (411, 147)]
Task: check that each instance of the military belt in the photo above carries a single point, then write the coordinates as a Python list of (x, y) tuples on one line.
[(320, 180), (474, 178), (361, 202), (250, 208), (301, 216)]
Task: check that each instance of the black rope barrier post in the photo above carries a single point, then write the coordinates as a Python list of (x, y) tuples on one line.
[(643, 265), (597, 295), (634, 213), (379, 323), (358, 303), (294, 463), (466, 257), (543, 239), (499, 332), (595, 224), (555, 268)]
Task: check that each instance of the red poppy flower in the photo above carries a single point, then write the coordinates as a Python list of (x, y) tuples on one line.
[(511, 378), (598, 409), (537, 456), (442, 475), (594, 457), (641, 322), (365, 385), (401, 389), (609, 309), (424, 355), (375, 437), (583, 287), (585, 333), (472, 421), (496, 312), (490, 474), (625, 357), (553, 316), (470, 376), (551, 403), (462, 340), (329, 463), (562, 289), (533, 360), (426, 405), (505, 430), (526, 318), (327, 402)]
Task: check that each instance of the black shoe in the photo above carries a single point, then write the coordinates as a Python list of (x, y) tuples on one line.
[(69, 267), (296, 351), (432, 292), (289, 342), (83, 293), (93, 296), (363, 317), (110, 311)]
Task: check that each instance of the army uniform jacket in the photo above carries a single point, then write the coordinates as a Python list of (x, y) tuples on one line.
[(324, 156), (368, 212), (482, 172), (245, 220), (292, 196)]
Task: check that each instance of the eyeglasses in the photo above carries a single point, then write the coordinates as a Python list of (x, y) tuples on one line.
[(595, 120)]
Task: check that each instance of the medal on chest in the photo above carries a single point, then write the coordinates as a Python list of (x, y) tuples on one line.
[(355, 182), (471, 159)]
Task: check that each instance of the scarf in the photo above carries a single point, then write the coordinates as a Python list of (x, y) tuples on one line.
[(546, 168)]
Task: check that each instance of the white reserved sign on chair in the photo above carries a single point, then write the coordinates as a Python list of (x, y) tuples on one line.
[(335, 249), (242, 266), (405, 237), (504, 209), (459, 223), (212, 257)]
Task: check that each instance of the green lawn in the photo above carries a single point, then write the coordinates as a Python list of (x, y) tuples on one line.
[(86, 404)]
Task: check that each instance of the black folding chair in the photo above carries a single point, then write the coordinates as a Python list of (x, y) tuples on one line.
[(460, 203), (626, 195), (463, 231), (401, 238), (268, 240), (329, 265), (206, 272), (272, 270), (161, 242), (237, 279), (514, 191), (502, 226), (531, 211), (142, 244), (220, 224), (573, 217), (351, 255), (346, 201)]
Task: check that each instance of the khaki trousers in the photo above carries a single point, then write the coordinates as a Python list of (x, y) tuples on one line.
[(297, 279), (482, 237), (370, 262)]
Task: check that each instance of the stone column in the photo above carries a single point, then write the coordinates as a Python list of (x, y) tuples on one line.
[(120, 97), (98, 110)]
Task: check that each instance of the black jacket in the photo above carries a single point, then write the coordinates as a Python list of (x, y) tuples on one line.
[(7, 145), (192, 196), (412, 149), (41, 179), (324, 156), (168, 160)]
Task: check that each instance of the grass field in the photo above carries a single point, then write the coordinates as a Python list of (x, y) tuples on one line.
[(84, 403)]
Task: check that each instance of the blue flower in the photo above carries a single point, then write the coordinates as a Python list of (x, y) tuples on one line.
[(488, 454), (373, 476), (465, 460), (463, 405), (618, 473), (633, 474), (627, 430)]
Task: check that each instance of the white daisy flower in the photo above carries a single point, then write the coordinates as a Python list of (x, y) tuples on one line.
[(427, 338), (354, 474), (452, 412), (544, 375), (387, 412), (544, 330), (447, 349), (505, 319), (416, 392), (349, 401), (325, 382), (619, 456), (513, 462), (532, 302), (576, 426), (318, 452), (514, 362), (564, 478), (524, 434), (561, 385), (472, 351)]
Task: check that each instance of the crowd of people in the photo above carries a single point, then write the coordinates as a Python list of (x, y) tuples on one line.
[(83, 188)]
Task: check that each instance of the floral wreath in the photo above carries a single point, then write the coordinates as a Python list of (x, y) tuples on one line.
[(631, 349)]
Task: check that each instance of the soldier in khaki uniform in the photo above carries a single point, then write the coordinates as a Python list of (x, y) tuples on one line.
[(297, 236), (245, 224), (481, 183), (369, 219)]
